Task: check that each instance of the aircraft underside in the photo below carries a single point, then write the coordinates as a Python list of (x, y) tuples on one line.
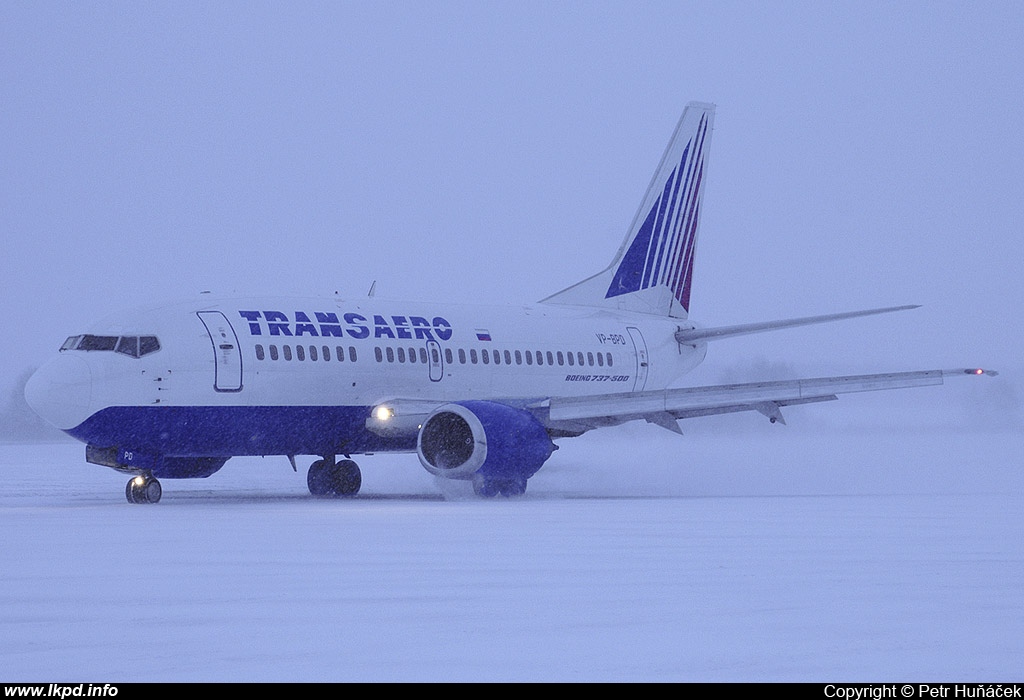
[(497, 447)]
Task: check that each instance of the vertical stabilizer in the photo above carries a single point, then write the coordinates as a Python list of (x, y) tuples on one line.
[(653, 270)]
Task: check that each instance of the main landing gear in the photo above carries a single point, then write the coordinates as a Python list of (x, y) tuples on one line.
[(329, 479), (489, 488), (143, 489)]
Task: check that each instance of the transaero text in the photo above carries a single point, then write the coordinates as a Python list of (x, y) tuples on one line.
[(351, 325), (923, 690)]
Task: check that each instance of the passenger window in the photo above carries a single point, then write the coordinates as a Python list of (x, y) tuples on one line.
[(339, 353), (486, 356), (312, 353), (569, 357), (259, 352), (287, 350), (609, 359), (390, 352), (327, 353), (380, 357), (579, 358), (351, 354), (412, 355), (497, 357), (508, 357), (423, 355), (472, 355), (448, 355), (519, 358), (300, 353), (462, 356), (529, 357), (273, 352), (401, 355), (590, 359), (561, 358)]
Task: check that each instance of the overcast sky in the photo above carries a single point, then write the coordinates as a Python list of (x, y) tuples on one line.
[(864, 154)]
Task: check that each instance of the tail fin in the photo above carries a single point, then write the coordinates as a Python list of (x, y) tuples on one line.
[(653, 269)]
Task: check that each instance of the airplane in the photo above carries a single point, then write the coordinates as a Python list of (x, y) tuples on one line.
[(479, 393)]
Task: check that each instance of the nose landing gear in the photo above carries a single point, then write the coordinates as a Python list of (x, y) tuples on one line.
[(143, 489)]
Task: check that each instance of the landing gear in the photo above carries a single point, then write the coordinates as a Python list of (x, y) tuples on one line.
[(489, 488), (143, 489), (329, 479)]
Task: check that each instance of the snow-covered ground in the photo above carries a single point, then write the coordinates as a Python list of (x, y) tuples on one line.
[(782, 554)]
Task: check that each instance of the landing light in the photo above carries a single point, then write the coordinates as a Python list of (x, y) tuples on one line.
[(383, 413), (139, 481)]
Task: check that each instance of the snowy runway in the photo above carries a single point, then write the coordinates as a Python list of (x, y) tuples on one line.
[(592, 576)]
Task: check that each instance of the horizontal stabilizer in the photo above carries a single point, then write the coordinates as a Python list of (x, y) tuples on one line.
[(689, 336)]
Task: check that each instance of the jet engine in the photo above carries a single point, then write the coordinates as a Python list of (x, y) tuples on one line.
[(496, 446)]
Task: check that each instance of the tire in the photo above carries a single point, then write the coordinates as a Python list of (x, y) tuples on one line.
[(485, 488), (318, 480), (149, 491), (153, 491), (347, 479)]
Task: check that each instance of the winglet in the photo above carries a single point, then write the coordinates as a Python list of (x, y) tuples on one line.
[(973, 370)]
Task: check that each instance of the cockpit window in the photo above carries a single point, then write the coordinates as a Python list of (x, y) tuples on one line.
[(97, 342), (128, 345), (148, 344), (131, 345)]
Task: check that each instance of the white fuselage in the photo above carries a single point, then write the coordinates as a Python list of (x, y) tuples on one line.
[(274, 362)]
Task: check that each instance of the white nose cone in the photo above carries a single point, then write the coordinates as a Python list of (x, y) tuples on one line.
[(60, 391)]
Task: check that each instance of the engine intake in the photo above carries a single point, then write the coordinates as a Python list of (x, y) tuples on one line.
[(461, 440)]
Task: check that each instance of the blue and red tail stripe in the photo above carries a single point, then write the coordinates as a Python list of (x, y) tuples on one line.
[(661, 253)]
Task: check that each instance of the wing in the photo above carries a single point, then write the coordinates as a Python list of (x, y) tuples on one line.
[(665, 407)]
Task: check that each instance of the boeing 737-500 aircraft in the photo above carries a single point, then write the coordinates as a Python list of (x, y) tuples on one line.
[(478, 393)]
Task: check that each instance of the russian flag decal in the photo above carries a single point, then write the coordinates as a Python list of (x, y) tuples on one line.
[(482, 334)]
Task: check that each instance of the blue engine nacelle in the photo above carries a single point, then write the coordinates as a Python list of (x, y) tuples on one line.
[(483, 439)]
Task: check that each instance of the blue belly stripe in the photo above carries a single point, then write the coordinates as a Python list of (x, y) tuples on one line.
[(237, 430)]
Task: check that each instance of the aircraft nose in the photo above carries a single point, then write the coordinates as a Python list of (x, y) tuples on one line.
[(60, 391)]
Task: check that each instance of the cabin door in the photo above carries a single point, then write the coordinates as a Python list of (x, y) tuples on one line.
[(435, 360), (227, 356), (640, 348)]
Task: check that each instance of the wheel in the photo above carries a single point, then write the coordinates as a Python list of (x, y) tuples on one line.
[(347, 478), (329, 480), (143, 489), (489, 488), (485, 488), (153, 491), (317, 479), (513, 487)]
